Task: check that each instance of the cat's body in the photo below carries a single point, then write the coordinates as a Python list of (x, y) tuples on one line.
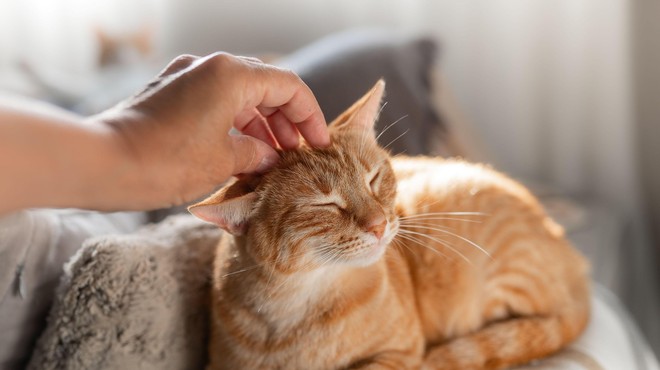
[(371, 262)]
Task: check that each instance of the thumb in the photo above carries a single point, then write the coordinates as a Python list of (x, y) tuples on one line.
[(252, 155)]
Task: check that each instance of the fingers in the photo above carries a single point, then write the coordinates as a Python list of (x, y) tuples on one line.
[(251, 155), (251, 122), (302, 112), (288, 104), (285, 131), (249, 84)]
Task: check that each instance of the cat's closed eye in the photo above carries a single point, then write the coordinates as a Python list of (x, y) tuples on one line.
[(331, 201), (328, 204), (374, 181)]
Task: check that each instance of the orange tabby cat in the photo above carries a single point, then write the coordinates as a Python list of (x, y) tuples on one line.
[(346, 258)]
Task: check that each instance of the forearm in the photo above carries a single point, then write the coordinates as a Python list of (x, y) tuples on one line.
[(49, 158), (166, 145)]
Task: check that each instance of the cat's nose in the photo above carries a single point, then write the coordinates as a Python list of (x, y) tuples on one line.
[(377, 226)]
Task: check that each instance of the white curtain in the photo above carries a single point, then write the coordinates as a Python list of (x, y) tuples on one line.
[(548, 85)]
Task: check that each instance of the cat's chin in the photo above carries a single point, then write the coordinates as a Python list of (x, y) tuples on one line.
[(370, 256)]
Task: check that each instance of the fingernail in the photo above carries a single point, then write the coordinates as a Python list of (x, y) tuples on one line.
[(267, 162)]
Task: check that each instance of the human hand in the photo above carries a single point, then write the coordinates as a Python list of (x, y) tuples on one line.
[(175, 138)]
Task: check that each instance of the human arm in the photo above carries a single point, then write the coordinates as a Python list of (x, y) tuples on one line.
[(167, 145)]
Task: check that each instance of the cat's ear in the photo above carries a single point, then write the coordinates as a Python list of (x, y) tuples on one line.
[(230, 207), (364, 113)]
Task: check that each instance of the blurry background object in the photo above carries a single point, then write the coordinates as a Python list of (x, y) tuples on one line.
[(68, 50), (562, 94)]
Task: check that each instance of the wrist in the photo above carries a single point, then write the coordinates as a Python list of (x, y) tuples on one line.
[(127, 183), (53, 160), (91, 172), (142, 176)]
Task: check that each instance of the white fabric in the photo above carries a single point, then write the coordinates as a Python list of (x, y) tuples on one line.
[(34, 245), (610, 342)]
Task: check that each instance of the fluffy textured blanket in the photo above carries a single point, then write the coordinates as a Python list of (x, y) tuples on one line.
[(140, 301), (134, 301)]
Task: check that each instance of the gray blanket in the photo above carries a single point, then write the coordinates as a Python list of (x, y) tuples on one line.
[(135, 301)]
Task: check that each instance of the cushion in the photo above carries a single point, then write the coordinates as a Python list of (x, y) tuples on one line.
[(34, 245), (138, 301), (342, 67), (134, 301)]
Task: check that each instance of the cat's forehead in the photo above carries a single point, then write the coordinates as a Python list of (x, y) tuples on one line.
[(322, 169), (341, 157), (332, 160)]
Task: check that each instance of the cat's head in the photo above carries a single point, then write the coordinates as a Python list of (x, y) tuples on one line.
[(317, 206)]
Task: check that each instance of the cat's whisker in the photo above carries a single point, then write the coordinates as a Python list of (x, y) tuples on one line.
[(246, 269), (241, 271), (411, 237), (381, 109), (439, 241), (459, 213), (430, 218), (397, 243), (420, 242), (363, 141), (427, 205), (446, 231), (396, 138), (421, 223), (390, 125)]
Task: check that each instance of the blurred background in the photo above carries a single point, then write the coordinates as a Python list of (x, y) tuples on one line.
[(561, 94)]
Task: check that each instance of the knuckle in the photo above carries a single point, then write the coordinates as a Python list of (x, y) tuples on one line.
[(295, 79), (291, 74), (253, 60), (220, 66), (220, 60), (185, 58), (182, 61), (177, 64)]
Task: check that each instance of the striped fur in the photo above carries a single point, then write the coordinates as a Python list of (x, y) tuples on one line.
[(346, 258)]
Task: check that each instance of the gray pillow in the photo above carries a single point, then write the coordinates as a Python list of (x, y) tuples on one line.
[(341, 68)]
